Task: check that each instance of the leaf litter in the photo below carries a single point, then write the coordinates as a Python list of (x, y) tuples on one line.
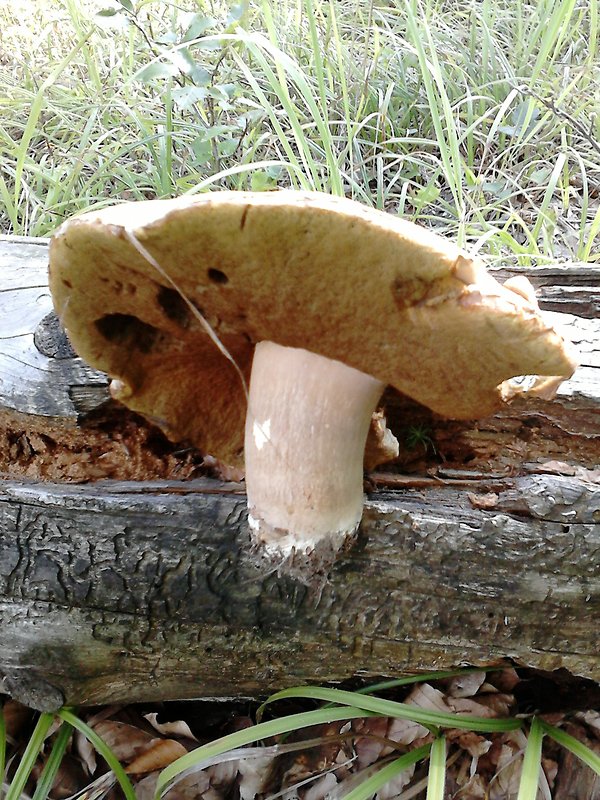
[(324, 762)]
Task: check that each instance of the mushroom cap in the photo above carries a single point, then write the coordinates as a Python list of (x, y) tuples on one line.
[(309, 270)]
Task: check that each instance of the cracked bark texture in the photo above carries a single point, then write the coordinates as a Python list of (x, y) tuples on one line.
[(117, 591)]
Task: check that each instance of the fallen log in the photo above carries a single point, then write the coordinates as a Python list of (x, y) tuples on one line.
[(127, 574)]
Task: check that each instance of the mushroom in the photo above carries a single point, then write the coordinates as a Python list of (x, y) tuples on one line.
[(318, 303)]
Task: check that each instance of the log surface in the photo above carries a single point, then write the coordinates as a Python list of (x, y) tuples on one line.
[(116, 591)]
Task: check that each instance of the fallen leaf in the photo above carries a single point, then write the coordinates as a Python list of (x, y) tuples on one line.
[(464, 705), (426, 697), (160, 753), (178, 728), (126, 741), (466, 685)]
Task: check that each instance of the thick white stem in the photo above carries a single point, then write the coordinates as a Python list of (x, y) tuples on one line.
[(307, 424)]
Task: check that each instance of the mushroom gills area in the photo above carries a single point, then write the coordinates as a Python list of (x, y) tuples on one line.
[(306, 429)]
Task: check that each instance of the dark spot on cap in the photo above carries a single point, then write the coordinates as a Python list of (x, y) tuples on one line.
[(174, 306), (128, 331), (217, 276)]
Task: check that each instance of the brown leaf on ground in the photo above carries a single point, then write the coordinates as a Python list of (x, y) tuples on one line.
[(466, 685), (179, 728), (504, 680), (126, 741), (426, 697), (464, 705), (502, 705), (160, 753), (16, 718), (472, 743)]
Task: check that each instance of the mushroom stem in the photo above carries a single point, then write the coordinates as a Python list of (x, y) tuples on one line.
[(306, 428)]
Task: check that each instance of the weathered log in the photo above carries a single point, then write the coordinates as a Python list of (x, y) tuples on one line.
[(121, 590)]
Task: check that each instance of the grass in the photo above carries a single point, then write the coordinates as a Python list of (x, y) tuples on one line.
[(339, 706), (475, 118)]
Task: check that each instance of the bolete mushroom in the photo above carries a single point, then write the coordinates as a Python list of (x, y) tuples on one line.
[(324, 302)]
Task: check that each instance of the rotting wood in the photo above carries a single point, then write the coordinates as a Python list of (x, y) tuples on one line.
[(120, 591)]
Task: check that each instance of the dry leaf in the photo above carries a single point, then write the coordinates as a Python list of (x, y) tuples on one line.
[(193, 787), (505, 679), (404, 731), (86, 752), (160, 753), (426, 697), (464, 705), (500, 704), (466, 685), (252, 773), (473, 743), (178, 728), (368, 746), (321, 788), (16, 718), (126, 741)]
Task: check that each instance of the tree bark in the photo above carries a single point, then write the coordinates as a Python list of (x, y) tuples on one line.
[(125, 590)]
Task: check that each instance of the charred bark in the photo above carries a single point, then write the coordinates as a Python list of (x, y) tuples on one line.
[(123, 590)]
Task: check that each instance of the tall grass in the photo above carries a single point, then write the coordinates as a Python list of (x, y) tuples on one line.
[(475, 117)]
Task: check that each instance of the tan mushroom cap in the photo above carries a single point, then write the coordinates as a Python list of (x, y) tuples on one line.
[(301, 269)]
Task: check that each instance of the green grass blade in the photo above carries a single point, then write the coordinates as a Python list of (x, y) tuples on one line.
[(261, 731), (553, 30), (34, 115), (440, 108), (102, 748), (390, 708), (240, 169), (548, 195), (369, 787), (532, 763), (436, 781), (572, 744), (29, 757), (593, 232), (423, 678), (46, 781)]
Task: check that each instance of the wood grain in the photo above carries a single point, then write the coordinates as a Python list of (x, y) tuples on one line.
[(116, 591)]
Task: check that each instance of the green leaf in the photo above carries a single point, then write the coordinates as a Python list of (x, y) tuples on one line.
[(532, 763), (261, 181), (198, 25), (264, 730), (102, 748), (436, 780), (156, 70), (227, 147), (29, 757), (572, 744), (47, 778), (202, 150), (390, 708), (127, 4), (369, 787), (108, 12), (186, 96), (235, 14)]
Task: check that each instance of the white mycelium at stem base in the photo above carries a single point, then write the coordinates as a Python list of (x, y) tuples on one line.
[(306, 428)]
